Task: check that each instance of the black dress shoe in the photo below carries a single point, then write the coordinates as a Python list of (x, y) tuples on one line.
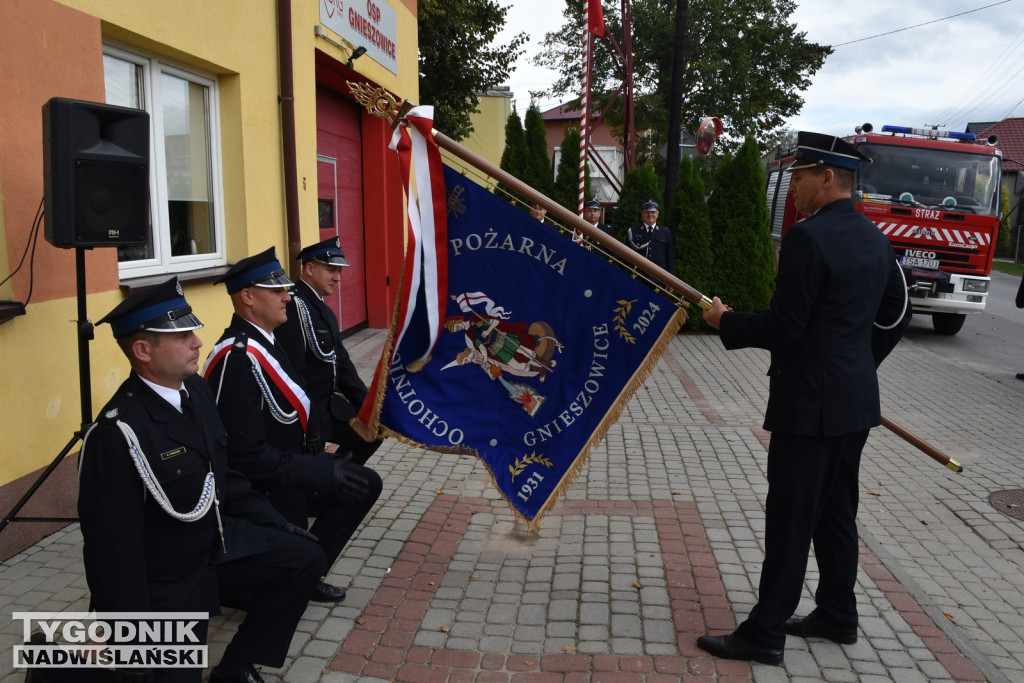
[(325, 592), (1020, 375), (250, 675), (732, 646), (813, 626)]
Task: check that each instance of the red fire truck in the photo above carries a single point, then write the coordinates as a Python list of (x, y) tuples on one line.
[(935, 196)]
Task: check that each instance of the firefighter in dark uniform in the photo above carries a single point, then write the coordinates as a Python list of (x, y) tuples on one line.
[(191, 535), (312, 340), (653, 241), (272, 437), (838, 284), (592, 215)]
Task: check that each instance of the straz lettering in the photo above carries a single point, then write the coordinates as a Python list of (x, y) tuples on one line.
[(418, 409), (522, 245), (926, 213), (583, 398)]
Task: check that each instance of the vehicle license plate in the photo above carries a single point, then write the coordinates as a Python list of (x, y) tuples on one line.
[(914, 262)]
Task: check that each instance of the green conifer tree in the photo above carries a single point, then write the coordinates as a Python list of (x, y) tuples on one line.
[(566, 190), (537, 167), (513, 158), (744, 258), (690, 223)]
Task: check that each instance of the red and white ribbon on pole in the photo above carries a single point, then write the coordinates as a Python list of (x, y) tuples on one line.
[(426, 257)]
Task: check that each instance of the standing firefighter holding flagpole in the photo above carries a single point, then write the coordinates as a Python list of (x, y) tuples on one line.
[(839, 288)]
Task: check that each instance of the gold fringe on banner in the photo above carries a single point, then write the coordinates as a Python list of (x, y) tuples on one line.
[(371, 431), (610, 418)]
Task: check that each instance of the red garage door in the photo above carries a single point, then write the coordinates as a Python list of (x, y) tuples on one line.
[(340, 191)]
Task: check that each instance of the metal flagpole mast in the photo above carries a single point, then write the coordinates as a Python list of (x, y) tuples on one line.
[(584, 112), (584, 120)]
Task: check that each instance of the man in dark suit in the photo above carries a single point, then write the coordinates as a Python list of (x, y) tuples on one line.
[(838, 277), (592, 215), (653, 241), (272, 438), (311, 338), (191, 534), (540, 213)]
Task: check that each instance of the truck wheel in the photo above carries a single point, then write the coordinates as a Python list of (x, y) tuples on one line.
[(948, 323)]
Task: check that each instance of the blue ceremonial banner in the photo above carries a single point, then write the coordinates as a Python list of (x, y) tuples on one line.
[(542, 343)]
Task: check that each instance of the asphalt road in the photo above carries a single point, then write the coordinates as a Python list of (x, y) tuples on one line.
[(990, 343)]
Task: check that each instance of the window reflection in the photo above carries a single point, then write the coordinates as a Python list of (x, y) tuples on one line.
[(187, 151)]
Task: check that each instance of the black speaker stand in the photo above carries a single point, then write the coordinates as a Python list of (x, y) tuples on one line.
[(85, 335)]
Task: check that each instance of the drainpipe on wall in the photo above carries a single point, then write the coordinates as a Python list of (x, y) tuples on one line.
[(287, 100)]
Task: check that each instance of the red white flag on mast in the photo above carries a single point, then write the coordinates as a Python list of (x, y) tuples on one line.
[(595, 17)]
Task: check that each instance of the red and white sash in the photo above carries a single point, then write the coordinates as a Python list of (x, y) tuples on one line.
[(265, 366)]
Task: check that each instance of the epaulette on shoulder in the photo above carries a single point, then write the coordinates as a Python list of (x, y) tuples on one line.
[(118, 405), (114, 410), (241, 341), (109, 416)]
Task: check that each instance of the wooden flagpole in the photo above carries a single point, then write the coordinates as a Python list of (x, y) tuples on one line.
[(922, 445), (374, 101), (651, 269)]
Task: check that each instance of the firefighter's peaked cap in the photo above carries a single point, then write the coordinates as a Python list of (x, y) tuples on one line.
[(819, 149)]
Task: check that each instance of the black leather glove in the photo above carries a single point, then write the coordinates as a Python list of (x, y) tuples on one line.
[(347, 482), (299, 531)]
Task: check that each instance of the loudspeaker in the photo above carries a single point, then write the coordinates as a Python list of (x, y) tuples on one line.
[(96, 174)]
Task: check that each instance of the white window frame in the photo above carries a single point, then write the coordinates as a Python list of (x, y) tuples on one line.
[(153, 66)]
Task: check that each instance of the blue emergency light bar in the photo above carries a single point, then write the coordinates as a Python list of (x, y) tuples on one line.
[(929, 132)]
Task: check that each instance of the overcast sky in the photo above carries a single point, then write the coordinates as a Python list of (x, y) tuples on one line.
[(947, 71)]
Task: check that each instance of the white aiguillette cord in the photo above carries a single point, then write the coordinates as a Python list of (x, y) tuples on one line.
[(207, 497)]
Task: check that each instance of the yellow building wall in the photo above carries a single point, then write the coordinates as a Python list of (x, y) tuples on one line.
[(488, 136), (235, 40)]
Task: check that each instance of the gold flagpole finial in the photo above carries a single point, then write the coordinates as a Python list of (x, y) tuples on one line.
[(379, 102)]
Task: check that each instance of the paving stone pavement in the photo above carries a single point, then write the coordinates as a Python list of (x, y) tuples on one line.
[(658, 541)]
